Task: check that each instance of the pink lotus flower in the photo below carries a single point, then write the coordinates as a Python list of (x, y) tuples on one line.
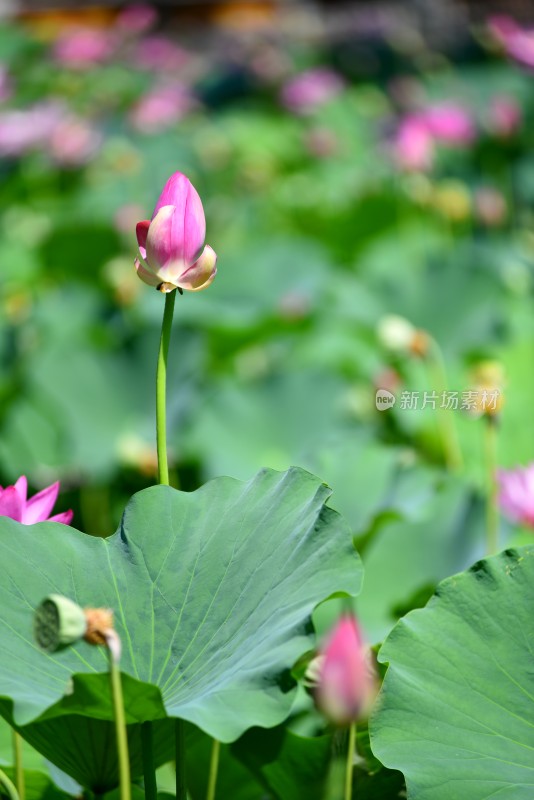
[(517, 493), (517, 42), (310, 89), (345, 681), (136, 18), (159, 54), (504, 116), (14, 504), (171, 241), (81, 48), (449, 122), (161, 108), (413, 147)]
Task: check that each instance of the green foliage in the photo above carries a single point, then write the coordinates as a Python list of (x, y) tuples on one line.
[(196, 581), (455, 709)]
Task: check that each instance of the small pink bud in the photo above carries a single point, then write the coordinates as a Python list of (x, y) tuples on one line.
[(517, 494), (171, 243), (345, 683)]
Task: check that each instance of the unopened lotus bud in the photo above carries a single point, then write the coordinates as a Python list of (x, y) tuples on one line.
[(488, 382), (58, 623), (345, 684), (400, 336)]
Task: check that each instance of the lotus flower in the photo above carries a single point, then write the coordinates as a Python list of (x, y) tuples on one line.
[(14, 504), (310, 89), (517, 493), (171, 243), (413, 147), (345, 682)]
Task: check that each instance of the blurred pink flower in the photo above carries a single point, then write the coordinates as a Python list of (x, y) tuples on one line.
[(73, 142), (517, 42), (171, 242), (501, 27), (310, 89), (505, 116), (517, 493), (161, 107), (14, 504), (413, 147), (345, 682), (490, 206), (28, 128), (81, 48), (5, 84), (159, 54), (449, 122), (125, 218), (136, 18)]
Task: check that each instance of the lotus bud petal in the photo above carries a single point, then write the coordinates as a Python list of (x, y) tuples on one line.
[(58, 623), (171, 241), (345, 683)]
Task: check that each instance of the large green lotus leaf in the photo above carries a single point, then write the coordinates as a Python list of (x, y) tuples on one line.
[(456, 709), (213, 592)]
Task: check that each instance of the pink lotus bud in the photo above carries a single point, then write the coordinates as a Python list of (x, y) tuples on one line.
[(14, 504), (345, 685), (504, 116), (310, 89), (171, 243), (517, 493), (81, 48), (450, 123), (137, 18), (413, 148)]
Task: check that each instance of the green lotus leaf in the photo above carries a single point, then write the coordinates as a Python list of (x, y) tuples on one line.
[(213, 592), (456, 709)]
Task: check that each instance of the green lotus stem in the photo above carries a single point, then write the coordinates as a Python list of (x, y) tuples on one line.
[(19, 767), (350, 761), (8, 787), (149, 773), (120, 727), (181, 787), (214, 769), (163, 478), (161, 386), (447, 429), (492, 496)]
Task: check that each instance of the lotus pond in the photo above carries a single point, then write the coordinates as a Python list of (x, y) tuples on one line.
[(266, 514)]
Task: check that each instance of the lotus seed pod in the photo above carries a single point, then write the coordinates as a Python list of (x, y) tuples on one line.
[(58, 623)]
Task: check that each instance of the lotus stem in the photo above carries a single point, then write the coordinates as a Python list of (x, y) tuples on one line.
[(120, 725), (181, 787), (8, 786), (350, 761), (492, 496), (214, 769), (149, 773), (447, 429), (161, 389), (19, 766), (163, 478)]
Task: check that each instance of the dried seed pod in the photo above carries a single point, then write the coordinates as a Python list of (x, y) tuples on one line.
[(99, 623), (58, 623)]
